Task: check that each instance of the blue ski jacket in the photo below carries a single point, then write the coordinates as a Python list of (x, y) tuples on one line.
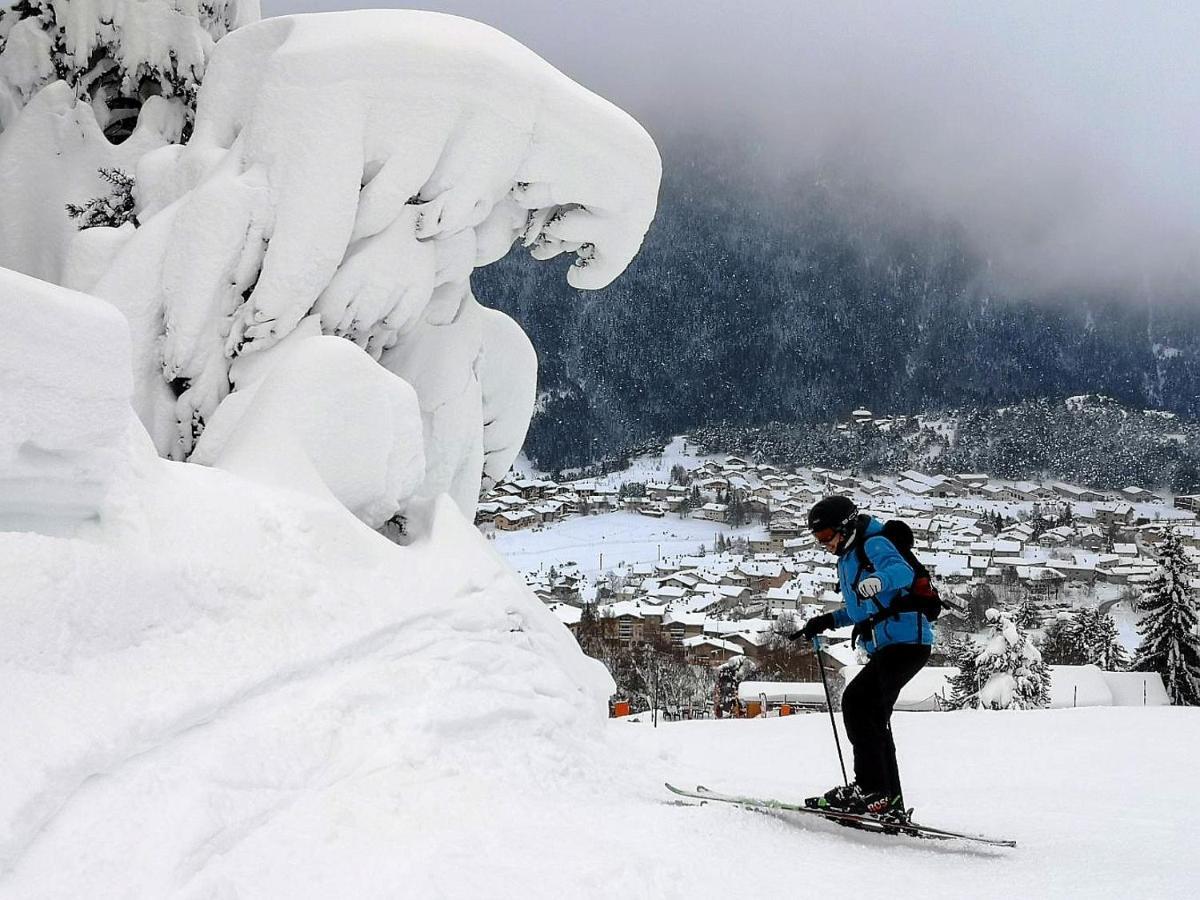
[(897, 577)]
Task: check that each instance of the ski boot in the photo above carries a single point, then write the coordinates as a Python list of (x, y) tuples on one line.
[(847, 798), (890, 811)]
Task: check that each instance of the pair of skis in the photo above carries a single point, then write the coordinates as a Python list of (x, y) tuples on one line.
[(856, 820)]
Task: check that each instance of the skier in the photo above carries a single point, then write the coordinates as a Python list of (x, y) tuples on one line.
[(872, 574)]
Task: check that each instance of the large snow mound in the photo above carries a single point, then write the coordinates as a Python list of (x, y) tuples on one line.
[(222, 663), (359, 166), (206, 658), (65, 419)]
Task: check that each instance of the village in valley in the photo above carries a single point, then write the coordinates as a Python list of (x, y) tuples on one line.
[(1043, 548)]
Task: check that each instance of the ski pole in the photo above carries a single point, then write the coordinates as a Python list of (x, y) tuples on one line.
[(829, 703)]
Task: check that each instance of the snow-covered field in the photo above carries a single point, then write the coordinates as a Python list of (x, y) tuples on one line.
[(622, 538)]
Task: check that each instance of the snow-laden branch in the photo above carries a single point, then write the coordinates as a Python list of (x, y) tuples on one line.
[(113, 53)]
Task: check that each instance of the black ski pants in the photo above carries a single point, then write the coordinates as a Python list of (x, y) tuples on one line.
[(867, 711)]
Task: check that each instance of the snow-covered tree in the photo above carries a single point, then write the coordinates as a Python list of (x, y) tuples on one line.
[(114, 55), (1170, 641), (964, 684), (1027, 615), (1010, 668), (1100, 641), (1085, 637), (730, 674), (1060, 646), (439, 145)]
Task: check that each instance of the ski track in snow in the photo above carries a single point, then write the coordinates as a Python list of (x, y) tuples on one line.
[(355, 651)]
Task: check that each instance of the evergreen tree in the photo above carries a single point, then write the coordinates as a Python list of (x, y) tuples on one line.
[(1010, 668), (964, 685), (1061, 646), (1170, 643), (1026, 615), (1098, 640)]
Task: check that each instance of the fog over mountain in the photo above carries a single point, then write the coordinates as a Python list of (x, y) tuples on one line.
[(1063, 138), (914, 208)]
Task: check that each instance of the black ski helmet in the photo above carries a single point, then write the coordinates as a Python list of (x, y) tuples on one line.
[(838, 513)]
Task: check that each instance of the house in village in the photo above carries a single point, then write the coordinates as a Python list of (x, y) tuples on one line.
[(705, 650)]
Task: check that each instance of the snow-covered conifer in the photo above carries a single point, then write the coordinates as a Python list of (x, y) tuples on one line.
[(964, 684), (1085, 637), (1061, 646), (1170, 643), (1099, 641), (114, 54), (1026, 615), (1010, 668)]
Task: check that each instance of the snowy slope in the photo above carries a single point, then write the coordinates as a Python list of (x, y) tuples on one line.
[(223, 664), (195, 659), (1096, 798)]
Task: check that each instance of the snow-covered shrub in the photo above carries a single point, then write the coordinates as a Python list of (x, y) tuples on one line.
[(1170, 637), (1010, 670)]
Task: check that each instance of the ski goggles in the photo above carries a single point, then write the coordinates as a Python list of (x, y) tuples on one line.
[(825, 537)]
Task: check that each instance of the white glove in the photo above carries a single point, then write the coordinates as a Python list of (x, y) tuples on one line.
[(870, 586)]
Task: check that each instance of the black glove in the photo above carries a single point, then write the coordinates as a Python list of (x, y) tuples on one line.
[(862, 631), (814, 626)]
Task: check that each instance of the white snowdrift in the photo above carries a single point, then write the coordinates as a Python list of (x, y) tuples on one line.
[(359, 166), (65, 419), (328, 420)]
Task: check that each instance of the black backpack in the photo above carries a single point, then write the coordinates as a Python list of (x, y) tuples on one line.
[(922, 597)]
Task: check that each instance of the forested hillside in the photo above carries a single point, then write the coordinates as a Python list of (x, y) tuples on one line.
[(1091, 441), (762, 298)]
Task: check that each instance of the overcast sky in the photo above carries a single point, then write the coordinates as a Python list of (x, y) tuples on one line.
[(1064, 136)]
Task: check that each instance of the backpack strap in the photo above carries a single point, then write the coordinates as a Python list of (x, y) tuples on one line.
[(899, 606), (865, 565)]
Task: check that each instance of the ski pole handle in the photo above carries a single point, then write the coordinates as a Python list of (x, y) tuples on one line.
[(817, 642)]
